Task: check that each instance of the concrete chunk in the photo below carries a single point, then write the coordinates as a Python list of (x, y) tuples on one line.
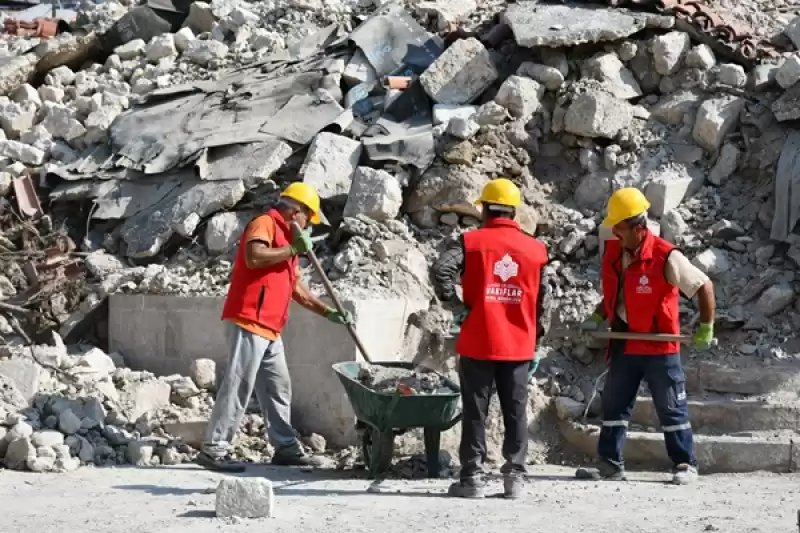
[(597, 114), (775, 299), (700, 56), (460, 74), (666, 193), (330, 164), (715, 119), (792, 31), (612, 74), (676, 106), (375, 193), (521, 96), (726, 164), (224, 231), (551, 77), (245, 498), (443, 113), (712, 261), (789, 72), (359, 70), (130, 50), (669, 51)]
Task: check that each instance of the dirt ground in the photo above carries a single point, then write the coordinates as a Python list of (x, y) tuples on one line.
[(181, 499)]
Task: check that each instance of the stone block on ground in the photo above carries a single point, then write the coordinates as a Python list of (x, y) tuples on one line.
[(143, 396), (715, 119), (674, 107), (667, 193), (225, 229), (460, 74), (712, 261), (789, 72), (245, 498), (613, 75), (444, 113), (521, 96), (597, 114), (24, 375), (374, 193), (330, 164), (669, 51)]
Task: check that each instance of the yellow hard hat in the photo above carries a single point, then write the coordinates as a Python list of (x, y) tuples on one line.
[(624, 204), (501, 191), (306, 195)]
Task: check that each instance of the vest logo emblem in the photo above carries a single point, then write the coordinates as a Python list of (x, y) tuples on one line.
[(506, 268), (644, 286)]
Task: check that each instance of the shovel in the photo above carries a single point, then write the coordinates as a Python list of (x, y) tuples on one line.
[(312, 257)]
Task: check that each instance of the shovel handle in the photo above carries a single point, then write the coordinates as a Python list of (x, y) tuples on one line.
[(312, 257), (657, 337)]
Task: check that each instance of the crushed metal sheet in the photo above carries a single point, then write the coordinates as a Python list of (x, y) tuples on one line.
[(787, 189), (257, 161), (405, 142), (302, 118), (553, 25), (145, 233), (394, 43), (27, 199)]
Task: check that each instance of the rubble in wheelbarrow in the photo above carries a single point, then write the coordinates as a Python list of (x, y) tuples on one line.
[(401, 380), (94, 125)]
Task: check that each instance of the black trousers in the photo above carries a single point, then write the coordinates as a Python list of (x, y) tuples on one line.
[(511, 381)]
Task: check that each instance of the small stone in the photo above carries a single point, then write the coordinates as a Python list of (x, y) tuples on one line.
[(19, 451), (550, 77), (726, 164), (732, 75), (491, 114), (701, 56), (712, 261), (443, 113), (47, 439), (130, 50), (597, 114), (521, 96), (462, 128), (245, 498), (789, 72), (183, 37), (460, 74), (140, 453), (204, 52), (68, 422), (568, 409), (375, 194), (316, 442), (669, 50), (715, 119), (673, 226), (775, 299), (204, 373), (160, 47), (627, 50)]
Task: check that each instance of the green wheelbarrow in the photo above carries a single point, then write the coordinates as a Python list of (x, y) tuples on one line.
[(380, 416)]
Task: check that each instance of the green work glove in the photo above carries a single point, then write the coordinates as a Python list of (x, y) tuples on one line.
[(301, 243), (533, 367), (339, 318), (592, 323), (704, 336), (458, 319)]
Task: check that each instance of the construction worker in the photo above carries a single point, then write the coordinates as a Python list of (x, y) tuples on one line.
[(500, 268), (641, 276), (264, 281)]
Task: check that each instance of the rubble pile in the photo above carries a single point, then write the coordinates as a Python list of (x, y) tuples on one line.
[(153, 151), (391, 380)]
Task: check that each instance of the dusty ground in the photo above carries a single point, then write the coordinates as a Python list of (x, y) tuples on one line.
[(181, 499)]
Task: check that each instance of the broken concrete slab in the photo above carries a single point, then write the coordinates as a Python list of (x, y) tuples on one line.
[(253, 162), (460, 74), (145, 233), (710, 376), (555, 25), (245, 498), (143, 396), (597, 114), (330, 164)]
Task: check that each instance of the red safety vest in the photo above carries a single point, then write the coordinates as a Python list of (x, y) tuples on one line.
[(502, 267), (651, 303), (262, 295)]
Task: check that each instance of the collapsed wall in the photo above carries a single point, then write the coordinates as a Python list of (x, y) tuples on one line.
[(153, 161)]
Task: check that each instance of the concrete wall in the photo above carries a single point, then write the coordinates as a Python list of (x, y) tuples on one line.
[(164, 334)]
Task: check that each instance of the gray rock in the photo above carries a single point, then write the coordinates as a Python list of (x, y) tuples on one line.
[(762, 76), (613, 75), (375, 193), (669, 51), (673, 108), (330, 164), (726, 164), (775, 299), (443, 113), (789, 72), (17, 151), (19, 451), (6, 182), (101, 264), (460, 74), (700, 56), (491, 113), (204, 373), (712, 261), (673, 226), (224, 231), (359, 70), (547, 25), (69, 422), (732, 75), (245, 498), (568, 409), (550, 77), (130, 50), (715, 119), (462, 128), (160, 47), (47, 439), (203, 52), (521, 96), (140, 453), (597, 114)]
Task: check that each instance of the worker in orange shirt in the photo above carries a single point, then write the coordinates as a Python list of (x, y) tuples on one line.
[(264, 281)]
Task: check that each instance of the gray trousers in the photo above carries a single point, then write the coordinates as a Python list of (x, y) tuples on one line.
[(254, 363)]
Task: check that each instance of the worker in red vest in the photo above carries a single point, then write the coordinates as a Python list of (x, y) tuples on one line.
[(264, 281), (500, 267), (642, 276)]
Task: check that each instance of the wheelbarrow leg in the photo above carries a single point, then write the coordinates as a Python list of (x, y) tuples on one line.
[(378, 450), (433, 439)]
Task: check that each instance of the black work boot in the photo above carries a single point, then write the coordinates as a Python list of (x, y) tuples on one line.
[(294, 456), (219, 464), (469, 487), (604, 471)]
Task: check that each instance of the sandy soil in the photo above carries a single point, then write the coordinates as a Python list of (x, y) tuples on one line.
[(181, 499)]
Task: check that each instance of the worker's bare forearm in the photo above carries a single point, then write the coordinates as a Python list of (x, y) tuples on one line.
[(303, 296), (707, 303), (259, 255)]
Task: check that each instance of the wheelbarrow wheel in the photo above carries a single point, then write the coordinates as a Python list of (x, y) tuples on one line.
[(377, 448)]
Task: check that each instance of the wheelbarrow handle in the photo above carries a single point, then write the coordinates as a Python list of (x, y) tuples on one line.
[(312, 257)]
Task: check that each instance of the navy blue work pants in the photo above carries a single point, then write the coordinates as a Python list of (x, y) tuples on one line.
[(667, 383)]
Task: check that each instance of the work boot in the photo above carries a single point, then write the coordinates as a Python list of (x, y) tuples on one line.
[(294, 456), (471, 487), (684, 474), (512, 486), (219, 464), (604, 471)]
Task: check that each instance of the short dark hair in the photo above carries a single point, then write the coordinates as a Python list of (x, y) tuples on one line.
[(499, 211), (638, 220)]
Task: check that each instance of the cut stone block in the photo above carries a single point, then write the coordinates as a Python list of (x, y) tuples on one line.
[(597, 114), (715, 119), (374, 193), (460, 74), (330, 164), (245, 498), (666, 194)]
